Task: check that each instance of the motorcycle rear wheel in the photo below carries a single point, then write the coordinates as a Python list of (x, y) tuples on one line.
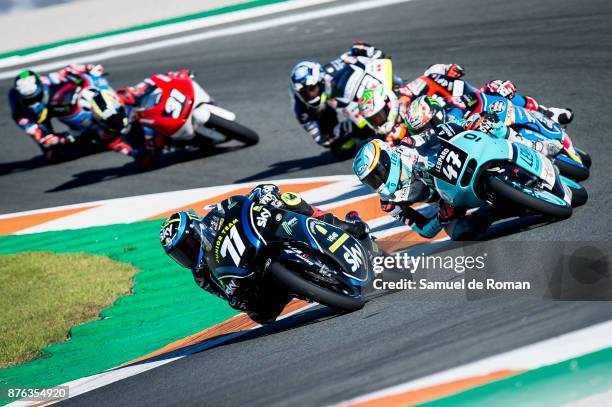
[(312, 291), (232, 130)]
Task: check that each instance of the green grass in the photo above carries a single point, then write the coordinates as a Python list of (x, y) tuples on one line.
[(43, 294)]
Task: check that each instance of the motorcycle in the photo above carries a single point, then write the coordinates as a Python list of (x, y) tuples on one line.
[(311, 259), (70, 106), (531, 125), (474, 169), (183, 114)]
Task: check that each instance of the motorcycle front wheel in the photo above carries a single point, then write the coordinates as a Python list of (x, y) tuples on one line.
[(297, 283), (536, 200)]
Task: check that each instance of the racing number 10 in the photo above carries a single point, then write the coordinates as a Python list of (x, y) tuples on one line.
[(234, 245), (453, 161)]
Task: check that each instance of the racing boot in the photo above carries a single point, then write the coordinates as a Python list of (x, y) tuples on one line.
[(561, 115), (353, 226)]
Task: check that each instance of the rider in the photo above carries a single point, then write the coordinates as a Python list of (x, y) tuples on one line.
[(185, 236), (503, 88), (310, 85), (398, 173), (29, 103), (144, 140)]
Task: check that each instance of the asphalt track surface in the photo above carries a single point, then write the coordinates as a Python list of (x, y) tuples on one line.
[(557, 51)]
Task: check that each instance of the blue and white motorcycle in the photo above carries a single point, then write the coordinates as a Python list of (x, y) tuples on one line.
[(572, 162), (311, 259), (474, 169)]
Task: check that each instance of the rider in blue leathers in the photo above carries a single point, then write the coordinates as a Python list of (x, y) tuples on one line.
[(29, 101), (185, 237)]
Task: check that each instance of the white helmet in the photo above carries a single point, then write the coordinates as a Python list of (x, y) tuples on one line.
[(307, 83), (377, 104)]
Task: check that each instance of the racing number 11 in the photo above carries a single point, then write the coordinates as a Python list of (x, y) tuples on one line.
[(234, 245)]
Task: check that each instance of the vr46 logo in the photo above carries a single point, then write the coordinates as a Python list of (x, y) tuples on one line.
[(353, 256)]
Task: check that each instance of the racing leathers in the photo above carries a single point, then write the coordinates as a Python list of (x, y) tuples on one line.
[(321, 122), (144, 140), (445, 74), (260, 300), (419, 153), (36, 120)]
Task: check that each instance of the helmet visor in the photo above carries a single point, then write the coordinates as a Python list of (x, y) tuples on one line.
[(379, 174), (187, 252), (34, 98), (310, 94)]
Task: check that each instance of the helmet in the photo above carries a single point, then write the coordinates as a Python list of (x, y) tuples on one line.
[(181, 237), (378, 166), (307, 83), (31, 90), (107, 109), (424, 112), (378, 105)]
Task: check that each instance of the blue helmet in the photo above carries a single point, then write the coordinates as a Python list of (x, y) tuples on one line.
[(182, 238), (378, 166), (32, 92), (307, 83)]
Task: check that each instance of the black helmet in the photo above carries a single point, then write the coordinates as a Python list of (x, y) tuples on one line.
[(181, 238), (106, 108)]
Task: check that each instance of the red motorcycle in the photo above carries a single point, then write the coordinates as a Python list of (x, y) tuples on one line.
[(182, 114)]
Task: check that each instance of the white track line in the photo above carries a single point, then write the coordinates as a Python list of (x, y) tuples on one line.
[(543, 353), (240, 29), (157, 32)]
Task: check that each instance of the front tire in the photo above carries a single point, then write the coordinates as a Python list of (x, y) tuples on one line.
[(572, 169), (579, 193), (585, 157), (232, 130), (519, 196), (295, 283)]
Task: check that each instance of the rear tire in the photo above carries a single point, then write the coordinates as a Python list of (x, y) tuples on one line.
[(309, 290), (572, 171), (515, 195), (232, 130)]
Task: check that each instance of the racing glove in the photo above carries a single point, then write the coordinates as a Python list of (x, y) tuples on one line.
[(455, 71), (487, 123), (54, 140), (501, 88), (361, 50)]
